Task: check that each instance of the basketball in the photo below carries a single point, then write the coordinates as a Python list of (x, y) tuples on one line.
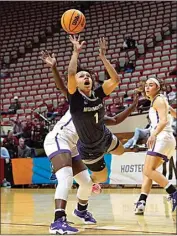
[(73, 21)]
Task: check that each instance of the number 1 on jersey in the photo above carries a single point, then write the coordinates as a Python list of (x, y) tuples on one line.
[(96, 117)]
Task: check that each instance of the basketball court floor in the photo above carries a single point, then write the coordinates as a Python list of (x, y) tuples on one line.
[(30, 211)]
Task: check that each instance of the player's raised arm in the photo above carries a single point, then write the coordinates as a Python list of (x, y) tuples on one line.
[(72, 69), (117, 119), (110, 84), (51, 62)]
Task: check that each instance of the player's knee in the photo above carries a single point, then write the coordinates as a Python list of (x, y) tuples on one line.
[(119, 151), (83, 178), (99, 178), (65, 181), (103, 179), (85, 185), (147, 172)]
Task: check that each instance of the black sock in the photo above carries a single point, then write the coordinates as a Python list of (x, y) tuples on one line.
[(171, 189), (82, 207), (59, 214), (143, 197)]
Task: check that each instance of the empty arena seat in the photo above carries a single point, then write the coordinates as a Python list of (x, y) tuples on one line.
[(145, 20)]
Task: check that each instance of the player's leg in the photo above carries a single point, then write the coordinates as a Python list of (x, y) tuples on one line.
[(152, 162), (99, 170), (145, 190), (146, 187), (99, 176), (116, 146), (82, 177), (98, 165), (163, 150), (62, 165), (119, 150)]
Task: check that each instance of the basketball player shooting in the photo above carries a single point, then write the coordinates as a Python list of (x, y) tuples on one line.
[(60, 147), (87, 111), (51, 62)]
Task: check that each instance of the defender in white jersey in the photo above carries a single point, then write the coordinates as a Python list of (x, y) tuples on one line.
[(60, 147), (165, 144), (161, 144)]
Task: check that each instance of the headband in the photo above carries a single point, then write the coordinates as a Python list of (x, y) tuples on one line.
[(155, 81)]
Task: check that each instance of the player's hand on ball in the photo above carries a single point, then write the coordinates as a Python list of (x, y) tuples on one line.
[(151, 141), (102, 47), (76, 43), (49, 60)]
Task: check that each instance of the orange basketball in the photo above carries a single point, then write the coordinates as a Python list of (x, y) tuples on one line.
[(73, 21)]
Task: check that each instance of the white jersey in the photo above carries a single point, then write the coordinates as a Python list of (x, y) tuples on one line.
[(153, 115), (65, 124), (63, 138), (165, 143)]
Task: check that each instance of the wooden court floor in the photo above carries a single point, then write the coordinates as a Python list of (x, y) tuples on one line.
[(30, 211)]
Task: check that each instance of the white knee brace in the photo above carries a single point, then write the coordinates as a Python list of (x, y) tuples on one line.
[(65, 181), (85, 185)]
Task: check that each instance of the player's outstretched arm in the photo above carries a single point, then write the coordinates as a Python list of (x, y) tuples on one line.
[(173, 112), (72, 69), (51, 62), (110, 84), (117, 119)]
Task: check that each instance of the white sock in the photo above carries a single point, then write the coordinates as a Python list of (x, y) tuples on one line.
[(59, 209), (145, 193)]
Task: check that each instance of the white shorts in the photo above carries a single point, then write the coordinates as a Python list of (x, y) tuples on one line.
[(164, 146), (63, 142)]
